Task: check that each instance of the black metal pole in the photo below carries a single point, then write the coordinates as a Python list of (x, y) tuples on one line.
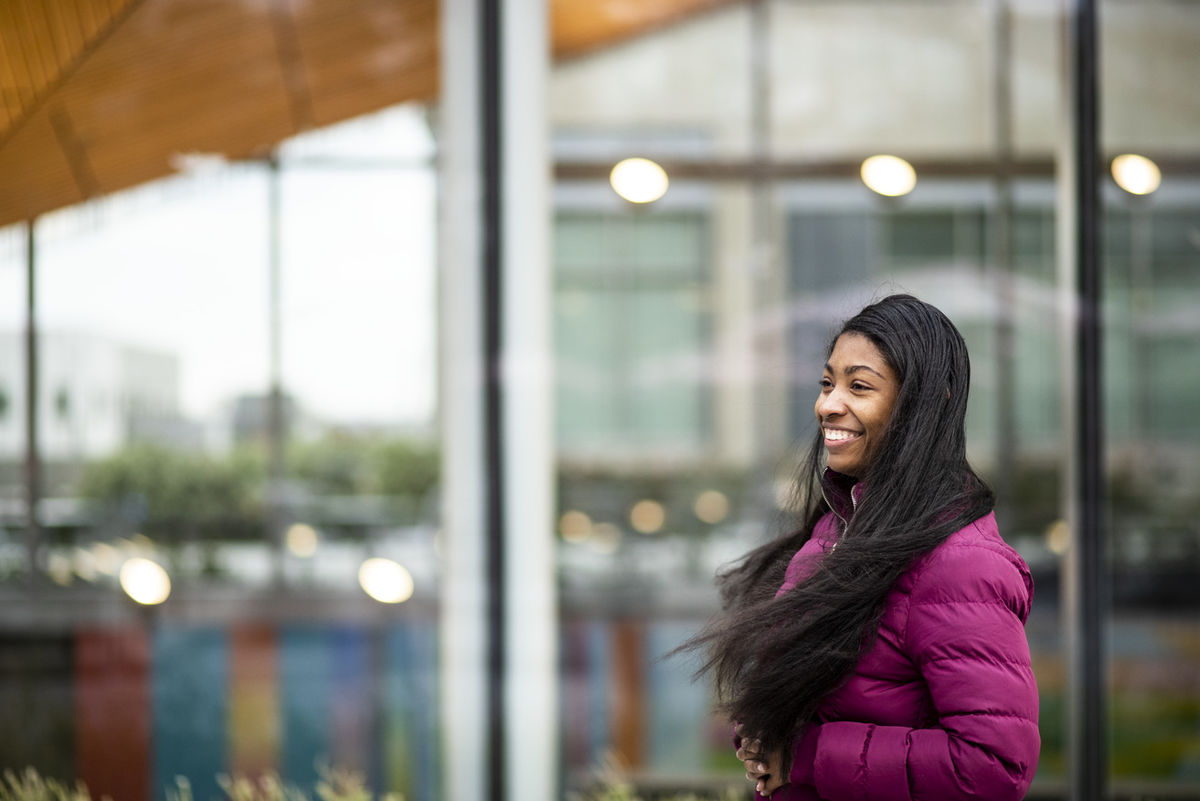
[(1091, 768), (491, 85), (33, 462)]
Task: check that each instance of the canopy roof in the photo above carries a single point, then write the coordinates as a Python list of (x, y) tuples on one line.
[(101, 95)]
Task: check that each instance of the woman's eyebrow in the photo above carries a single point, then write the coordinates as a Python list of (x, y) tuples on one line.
[(851, 370)]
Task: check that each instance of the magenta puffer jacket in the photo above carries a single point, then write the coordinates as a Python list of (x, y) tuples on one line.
[(944, 705)]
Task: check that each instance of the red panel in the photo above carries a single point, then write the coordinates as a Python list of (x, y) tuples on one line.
[(112, 712)]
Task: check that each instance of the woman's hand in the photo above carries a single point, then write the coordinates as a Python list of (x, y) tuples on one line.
[(764, 769)]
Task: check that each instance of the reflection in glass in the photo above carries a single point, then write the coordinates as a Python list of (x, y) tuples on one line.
[(145, 581), (1136, 174), (386, 581)]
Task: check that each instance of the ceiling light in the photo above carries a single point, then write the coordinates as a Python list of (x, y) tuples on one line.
[(386, 581), (574, 526), (711, 506), (145, 581), (302, 540), (639, 180), (1136, 174), (647, 516), (890, 176)]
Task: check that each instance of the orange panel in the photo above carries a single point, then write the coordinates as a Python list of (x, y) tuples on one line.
[(629, 693), (253, 702)]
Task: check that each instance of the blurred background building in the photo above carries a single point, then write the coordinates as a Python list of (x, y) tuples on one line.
[(222, 226)]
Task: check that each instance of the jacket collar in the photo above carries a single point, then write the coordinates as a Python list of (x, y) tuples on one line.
[(842, 493)]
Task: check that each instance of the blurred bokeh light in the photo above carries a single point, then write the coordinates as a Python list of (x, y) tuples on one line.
[(639, 180)]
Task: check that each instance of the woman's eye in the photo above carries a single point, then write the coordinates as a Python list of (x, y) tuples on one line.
[(857, 387), (826, 383)]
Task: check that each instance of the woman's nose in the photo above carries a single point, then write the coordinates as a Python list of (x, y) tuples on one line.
[(830, 403)]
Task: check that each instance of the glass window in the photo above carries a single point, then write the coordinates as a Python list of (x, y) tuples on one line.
[(786, 259), (1151, 253), (631, 313), (238, 388)]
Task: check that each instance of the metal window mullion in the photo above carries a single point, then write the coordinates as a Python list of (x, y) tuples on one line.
[(33, 462), (491, 81), (1085, 577)]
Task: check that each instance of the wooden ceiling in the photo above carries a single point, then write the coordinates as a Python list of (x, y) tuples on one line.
[(101, 95)]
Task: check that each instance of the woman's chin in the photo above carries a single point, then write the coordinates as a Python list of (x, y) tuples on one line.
[(840, 464)]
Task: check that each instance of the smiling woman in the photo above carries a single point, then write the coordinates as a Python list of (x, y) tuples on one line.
[(858, 391), (879, 650)]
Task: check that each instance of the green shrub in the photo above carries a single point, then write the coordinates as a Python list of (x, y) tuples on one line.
[(333, 785), (29, 786)]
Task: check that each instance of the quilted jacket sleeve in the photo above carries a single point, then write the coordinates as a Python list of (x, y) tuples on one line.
[(966, 634)]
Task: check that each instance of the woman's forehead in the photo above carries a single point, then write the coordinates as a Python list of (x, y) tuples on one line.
[(853, 349)]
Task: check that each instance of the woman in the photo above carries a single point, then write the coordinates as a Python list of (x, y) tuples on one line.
[(879, 652)]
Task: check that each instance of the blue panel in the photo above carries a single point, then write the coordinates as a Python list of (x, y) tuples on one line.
[(190, 699), (353, 738), (679, 707), (306, 681), (411, 711), (428, 714), (400, 699), (600, 679)]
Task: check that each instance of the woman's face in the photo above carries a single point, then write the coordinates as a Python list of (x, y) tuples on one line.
[(858, 391)]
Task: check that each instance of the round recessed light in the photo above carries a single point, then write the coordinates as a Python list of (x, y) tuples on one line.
[(1136, 174), (386, 581), (145, 581), (639, 180), (890, 176)]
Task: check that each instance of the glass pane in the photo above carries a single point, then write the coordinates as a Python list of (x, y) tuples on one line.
[(629, 311), (244, 435), (14, 559), (714, 306), (1152, 272), (589, 370)]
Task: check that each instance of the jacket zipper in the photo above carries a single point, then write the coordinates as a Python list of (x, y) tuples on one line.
[(845, 523)]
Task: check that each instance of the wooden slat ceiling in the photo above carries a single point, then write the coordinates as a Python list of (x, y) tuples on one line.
[(101, 95)]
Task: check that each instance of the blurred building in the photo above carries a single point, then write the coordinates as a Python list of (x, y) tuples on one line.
[(96, 395)]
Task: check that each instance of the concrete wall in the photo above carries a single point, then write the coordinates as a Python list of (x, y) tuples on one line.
[(852, 78)]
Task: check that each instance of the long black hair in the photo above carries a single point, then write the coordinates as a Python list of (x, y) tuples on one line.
[(775, 658)]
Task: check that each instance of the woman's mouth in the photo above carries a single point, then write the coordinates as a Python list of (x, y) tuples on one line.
[(839, 436)]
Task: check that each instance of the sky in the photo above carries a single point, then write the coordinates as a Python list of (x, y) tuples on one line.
[(181, 266)]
